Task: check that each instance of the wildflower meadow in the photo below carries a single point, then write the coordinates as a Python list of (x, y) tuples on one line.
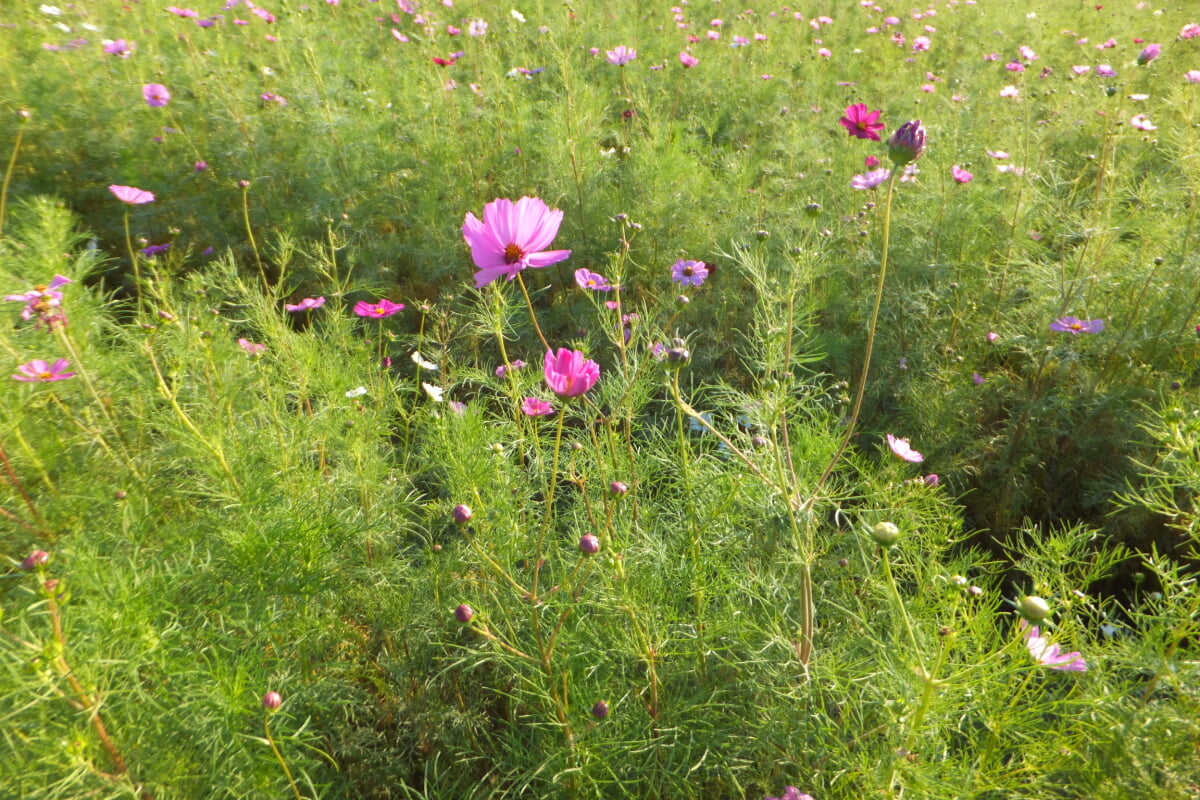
[(455, 399)]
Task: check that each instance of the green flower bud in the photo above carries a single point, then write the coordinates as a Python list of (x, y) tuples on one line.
[(885, 534), (1033, 608)]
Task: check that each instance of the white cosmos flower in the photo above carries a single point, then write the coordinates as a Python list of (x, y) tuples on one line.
[(436, 393), (420, 361), (359, 392)]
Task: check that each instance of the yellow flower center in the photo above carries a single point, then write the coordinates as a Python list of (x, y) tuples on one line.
[(512, 254)]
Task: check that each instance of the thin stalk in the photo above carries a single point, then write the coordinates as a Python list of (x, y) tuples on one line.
[(8, 172), (532, 316), (262, 274), (279, 757), (133, 259)]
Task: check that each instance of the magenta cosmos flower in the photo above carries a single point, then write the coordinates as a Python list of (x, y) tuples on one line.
[(903, 451), (687, 59), (131, 195), (871, 179), (569, 374), (511, 237), (861, 123), (592, 280), (620, 55), (1051, 655), (384, 308), (38, 371), (307, 304), (535, 407), (960, 174), (156, 95), (1076, 326)]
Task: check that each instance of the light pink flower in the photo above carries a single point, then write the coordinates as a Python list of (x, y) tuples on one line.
[(512, 237), (1051, 655), (620, 55), (38, 371), (534, 407), (960, 174), (903, 451), (1192, 76), (250, 347), (1189, 31), (569, 374), (687, 59), (1142, 123), (871, 179), (1008, 91), (131, 195), (307, 304), (156, 95)]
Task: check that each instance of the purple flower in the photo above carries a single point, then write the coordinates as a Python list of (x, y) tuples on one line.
[(687, 59), (621, 55), (1075, 326), (119, 48), (568, 373), (512, 237), (907, 143), (534, 407), (156, 95), (871, 179), (307, 304), (384, 308), (43, 301), (689, 273), (155, 249), (250, 347), (903, 451), (976, 378), (592, 280), (1148, 54), (502, 370), (38, 371)]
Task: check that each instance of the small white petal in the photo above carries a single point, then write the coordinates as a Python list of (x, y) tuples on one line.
[(359, 392), (436, 393), (420, 361)]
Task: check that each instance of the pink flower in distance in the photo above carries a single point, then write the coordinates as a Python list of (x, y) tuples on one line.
[(156, 95), (620, 55), (533, 407), (903, 451), (307, 304), (569, 374), (871, 179), (131, 195), (1192, 76), (861, 123), (689, 273), (250, 347), (119, 48), (38, 371), (791, 793), (384, 308), (1148, 54), (43, 301), (1075, 326), (1051, 655), (1142, 123), (687, 59), (511, 237), (1189, 31), (960, 174), (592, 280)]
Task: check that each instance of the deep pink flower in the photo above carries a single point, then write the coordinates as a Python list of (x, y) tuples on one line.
[(687, 59), (569, 374), (384, 308), (620, 55), (871, 179), (1149, 53), (534, 407), (511, 237), (960, 174), (156, 95), (38, 371), (861, 123), (250, 347), (1076, 326), (592, 280), (306, 304), (131, 195), (903, 451)]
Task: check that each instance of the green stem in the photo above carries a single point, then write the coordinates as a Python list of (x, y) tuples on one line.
[(262, 274), (537, 564), (532, 316), (133, 259), (8, 172), (279, 757)]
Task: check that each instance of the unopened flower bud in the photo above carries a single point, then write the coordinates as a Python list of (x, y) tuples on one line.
[(600, 710), (243, 184), (885, 533), (271, 701), (907, 143), (975, 591), (678, 356), (619, 488), (589, 545), (35, 559), (759, 440), (462, 514), (1033, 608), (464, 613)]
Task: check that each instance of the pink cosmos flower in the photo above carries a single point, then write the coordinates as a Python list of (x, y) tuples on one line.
[(1051, 655), (307, 304), (384, 308), (568, 374), (1142, 123), (533, 407), (824, 52), (921, 43), (1149, 53), (871, 179), (687, 59), (156, 95), (511, 237), (621, 55), (592, 280), (1008, 91), (250, 347), (960, 174), (902, 450), (44, 302), (38, 371), (791, 793), (1189, 31), (502, 370), (1075, 326), (861, 123), (1192, 76), (1081, 70), (1105, 71), (131, 195), (119, 48), (992, 336)]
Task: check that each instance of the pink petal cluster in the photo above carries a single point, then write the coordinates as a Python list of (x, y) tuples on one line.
[(535, 407), (861, 123), (131, 194), (307, 304), (379, 310), (620, 55), (568, 373), (512, 237), (1051, 655), (156, 95), (38, 371), (903, 451)]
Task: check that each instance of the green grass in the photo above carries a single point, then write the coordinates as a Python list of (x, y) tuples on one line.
[(222, 524)]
